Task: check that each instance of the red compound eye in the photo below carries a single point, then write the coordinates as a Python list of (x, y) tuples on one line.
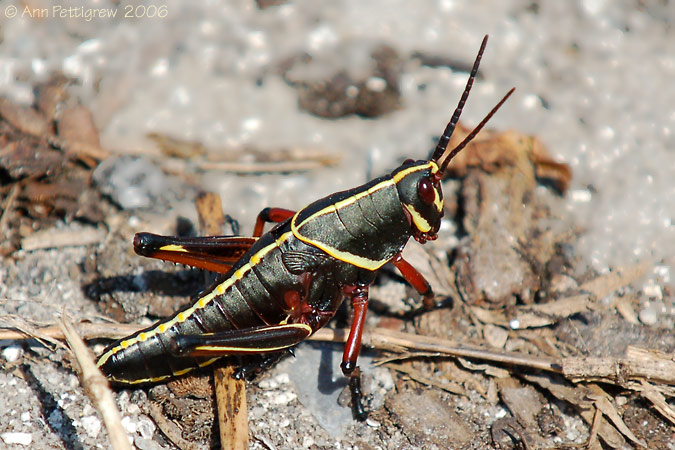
[(425, 189)]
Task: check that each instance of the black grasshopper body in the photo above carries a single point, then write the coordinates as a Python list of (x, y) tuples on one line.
[(279, 287)]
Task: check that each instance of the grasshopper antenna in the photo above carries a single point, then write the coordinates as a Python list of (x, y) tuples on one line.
[(450, 128), (443, 141), (474, 132)]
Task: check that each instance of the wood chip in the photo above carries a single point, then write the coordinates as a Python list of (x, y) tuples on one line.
[(658, 400), (55, 238), (603, 404), (579, 396), (232, 409), (608, 283), (25, 118)]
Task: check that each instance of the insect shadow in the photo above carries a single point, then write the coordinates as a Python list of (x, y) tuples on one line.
[(54, 415), (125, 291)]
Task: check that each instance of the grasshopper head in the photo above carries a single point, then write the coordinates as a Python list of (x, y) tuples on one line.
[(419, 182), (419, 188)]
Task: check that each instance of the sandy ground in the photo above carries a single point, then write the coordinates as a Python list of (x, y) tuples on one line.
[(593, 80)]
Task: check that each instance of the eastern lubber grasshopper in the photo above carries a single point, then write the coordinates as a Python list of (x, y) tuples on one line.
[(279, 287)]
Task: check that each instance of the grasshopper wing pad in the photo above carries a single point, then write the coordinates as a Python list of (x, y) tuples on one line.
[(251, 340)]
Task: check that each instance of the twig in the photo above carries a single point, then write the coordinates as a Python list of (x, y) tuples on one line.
[(603, 404), (230, 391), (62, 238), (4, 217), (232, 409), (638, 364), (24, 329), (632, 367), (96, 387), (87, 330), (416, 375), (658, 400), (169, 429), (395, 341)]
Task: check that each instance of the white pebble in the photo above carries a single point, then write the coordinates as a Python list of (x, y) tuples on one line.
[(649, 314), (17, 438), (129, 425), (91, 425), (284, 398), (372, 423), (652, 290), (581, 195), (501, 412), (146, 427), (146, 444), (12, 353), (376, 84)]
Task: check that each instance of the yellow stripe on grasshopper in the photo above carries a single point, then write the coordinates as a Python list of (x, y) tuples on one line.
[(201, 303)]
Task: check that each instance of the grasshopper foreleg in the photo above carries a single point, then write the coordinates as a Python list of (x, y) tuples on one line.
[(416, 280)]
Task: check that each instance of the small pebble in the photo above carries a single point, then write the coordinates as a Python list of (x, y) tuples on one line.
[(10, 438), (146, 444), (146, 427), (129, 425), (91, 425), (581, 196), (284, 398), (650, 314), (501, 412), (12, 353), (653, 291), (562, 283), (372, 423), (130, 182)]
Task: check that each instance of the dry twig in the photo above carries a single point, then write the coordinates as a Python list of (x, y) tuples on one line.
[(232, 409), (96, 387), (230, 391), (52, 238), (169, 429)]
